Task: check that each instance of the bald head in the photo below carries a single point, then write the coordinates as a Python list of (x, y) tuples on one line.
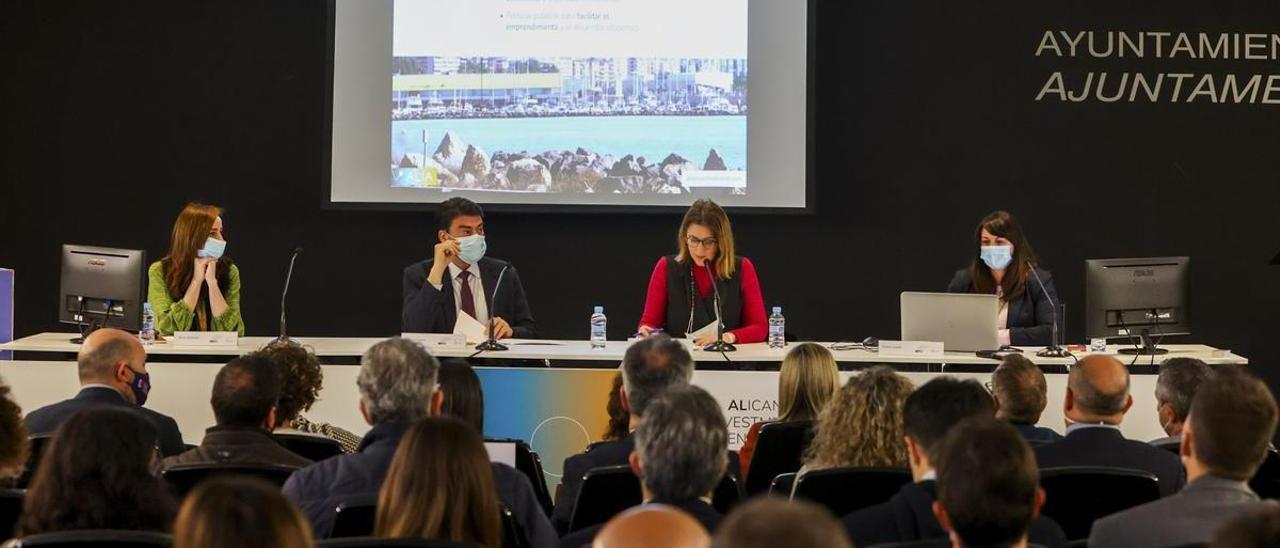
[(104, 351), (1098, 390), (652, 525)]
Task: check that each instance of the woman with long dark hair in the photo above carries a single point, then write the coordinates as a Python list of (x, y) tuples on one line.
[(195, 287), (1003, 264)]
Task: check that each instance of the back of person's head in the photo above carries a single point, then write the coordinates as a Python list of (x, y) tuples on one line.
[(463, 396), (619, 420), (1020, 390), (245, 392), (1098, 387), (98, 472), (1232, 419), (13, 435), (938, 405), (806, 382), (988, 483), (103, 352), (766, 522), (240, 512), (440, 486), (1254, 529), (682, 445), (301, 379), (862, 424), (651, 366), (652, 525), (397, 381), (1176, 386)]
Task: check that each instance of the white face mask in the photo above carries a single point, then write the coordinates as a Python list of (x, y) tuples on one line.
[(471, 248), (213, 248), (997, 257)]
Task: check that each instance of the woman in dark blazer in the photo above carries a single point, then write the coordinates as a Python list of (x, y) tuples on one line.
[(1003, 265)]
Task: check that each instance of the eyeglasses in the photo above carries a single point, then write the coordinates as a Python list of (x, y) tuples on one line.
[(705, 243)]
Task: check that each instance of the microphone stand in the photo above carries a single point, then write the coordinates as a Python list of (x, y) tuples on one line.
[(288, 277), (719, 345), (1053, 350), (492, 345)]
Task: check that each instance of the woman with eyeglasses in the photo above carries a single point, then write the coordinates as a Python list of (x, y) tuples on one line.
[(681, 299)]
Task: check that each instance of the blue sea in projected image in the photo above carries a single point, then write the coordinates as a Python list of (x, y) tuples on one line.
[(653, 137)]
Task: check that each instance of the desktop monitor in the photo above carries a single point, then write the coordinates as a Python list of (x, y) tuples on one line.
[(1137, 299), (102, 287)]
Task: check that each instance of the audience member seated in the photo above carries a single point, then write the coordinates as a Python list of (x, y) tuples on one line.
[(988, 485), (1255, 529), (1096, 402), (652, 525), (862, 425), (239, 513), (619, 420), (1021, 395), (928, 414), (1224, 440), (302, 380), (649, 367), (766, 522), (244, 406), (113, 371), (1179, 378), (807, 380), (679, 456), (397, 383), (463, 398), (98, 472), (13, 437), (440, 487)]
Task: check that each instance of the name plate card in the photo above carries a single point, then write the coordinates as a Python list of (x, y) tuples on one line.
[(910, 349), (205, 339), (453, 341)]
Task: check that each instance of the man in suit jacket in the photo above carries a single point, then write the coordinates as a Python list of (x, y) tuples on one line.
[(679, 456), (1224, 441), (113, 371), (1096, 402), (460, 279), (1021, 394), (245, 393), (1175, 387), (928, 414)]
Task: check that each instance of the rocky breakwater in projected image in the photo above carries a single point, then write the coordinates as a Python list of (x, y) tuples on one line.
[(464, 166)]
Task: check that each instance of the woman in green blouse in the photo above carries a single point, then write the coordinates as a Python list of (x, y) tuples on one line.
[(195, 288)]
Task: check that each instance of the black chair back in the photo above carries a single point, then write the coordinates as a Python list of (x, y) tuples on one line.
[(1174, 447), (186, 477), (309, 446), (779, 450), (1075, 496), (1266, 481), (727, 495), (782, 484), (844, 490), (10, 511), (36, 445), (605, 492), (105, 538), (512, 534), (374, 542), (355, 517), (530, 464)]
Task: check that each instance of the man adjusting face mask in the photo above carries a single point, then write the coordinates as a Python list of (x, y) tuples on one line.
[(471, 248)]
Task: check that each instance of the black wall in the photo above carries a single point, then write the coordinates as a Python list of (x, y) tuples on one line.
[(117, 113)]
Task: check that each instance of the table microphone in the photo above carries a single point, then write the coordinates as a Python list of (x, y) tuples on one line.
[(285, 294), (1053, 350), (492, 345), (719, 345)]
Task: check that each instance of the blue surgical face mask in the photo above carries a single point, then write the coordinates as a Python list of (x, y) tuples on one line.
[(471, 248), (997, 257), (213, 248), (141, 386)]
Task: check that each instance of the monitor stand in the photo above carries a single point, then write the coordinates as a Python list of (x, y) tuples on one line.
[(1148, 347)]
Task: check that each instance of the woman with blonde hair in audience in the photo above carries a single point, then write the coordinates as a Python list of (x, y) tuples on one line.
[(440, 486), (862, 425), (807, 381), (240, 512)]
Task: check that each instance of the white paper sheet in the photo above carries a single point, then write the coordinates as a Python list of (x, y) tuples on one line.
[(470, 327)]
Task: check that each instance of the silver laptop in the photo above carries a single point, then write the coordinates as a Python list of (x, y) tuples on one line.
[(963, 322)]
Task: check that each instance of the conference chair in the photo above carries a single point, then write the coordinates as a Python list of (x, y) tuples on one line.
[(186, 477), (844, 490), (355, 520), (779, 450), (1075, 496), (1174, 447), (782, 484), (316, 448), (727, 495), (10, 511), (374, 542), (105, 538), (608, 490), (36, 445), (530, 464), (1266, 481)]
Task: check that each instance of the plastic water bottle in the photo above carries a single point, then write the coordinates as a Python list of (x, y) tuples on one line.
[(147, 334), (599, 323), (777, 328)]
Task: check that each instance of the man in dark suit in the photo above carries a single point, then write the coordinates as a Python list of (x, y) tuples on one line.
[(1096, 402), (460, 279), (1021, 395), (1175, 387), (245, 393), (1224, 440), (113, 371), (928, 414), (679, 456)]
